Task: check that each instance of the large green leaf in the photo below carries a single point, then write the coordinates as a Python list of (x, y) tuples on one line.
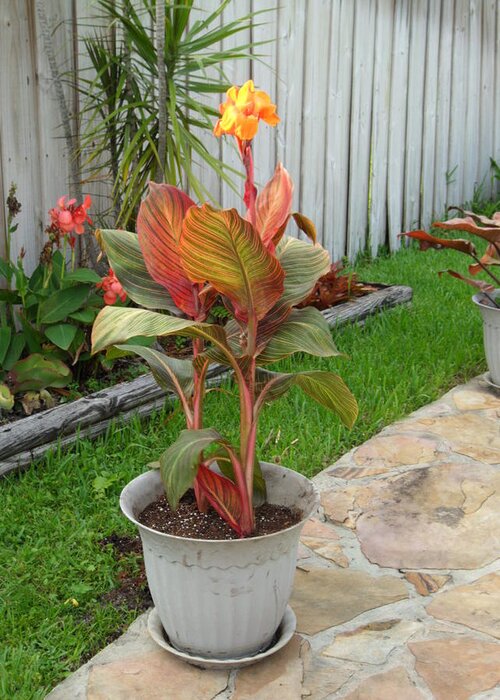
[(115, 325), (37, 372), (305, 330), (326, 388), (5, 336), (82, 274), (224, 249), (61, 334), (303, 264), (179, 463), (168, 371), (125, 257), (62, 303), (14, 351)]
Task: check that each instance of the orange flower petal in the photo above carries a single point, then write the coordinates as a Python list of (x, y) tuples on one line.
[(245, 94), (247, 128)]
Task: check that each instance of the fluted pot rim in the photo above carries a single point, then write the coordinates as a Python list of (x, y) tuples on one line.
[(142, 479), (480, 298)]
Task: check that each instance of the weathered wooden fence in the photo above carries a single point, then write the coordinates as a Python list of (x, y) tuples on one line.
[(390, 110)]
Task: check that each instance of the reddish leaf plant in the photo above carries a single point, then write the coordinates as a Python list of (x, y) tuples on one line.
[(485, 228), (183, 258)]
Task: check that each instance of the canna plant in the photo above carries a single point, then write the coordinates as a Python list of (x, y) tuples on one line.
[(485, 228), (184, 258)]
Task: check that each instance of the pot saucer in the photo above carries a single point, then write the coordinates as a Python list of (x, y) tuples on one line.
[(283, 635), (488, 380)]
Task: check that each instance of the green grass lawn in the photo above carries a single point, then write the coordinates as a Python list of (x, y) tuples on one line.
[(53, 515)]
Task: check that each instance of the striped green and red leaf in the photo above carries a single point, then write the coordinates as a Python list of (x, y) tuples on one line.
[(159, 226), (273, 205), (223, 496), (222, 248), (125, 257)]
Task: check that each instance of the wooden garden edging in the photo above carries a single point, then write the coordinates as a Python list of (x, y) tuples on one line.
[(28, 439)]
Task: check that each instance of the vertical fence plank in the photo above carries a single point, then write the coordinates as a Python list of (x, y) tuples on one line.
[(19, 126), (496, 116), (337, 135), (361, 112), (458, 104), (415, 113), (264, 77), (237, 73), (397, 122), (430, 115), (201, 170), (380, 127), (54, 156), (290, 56), (473, 101), (443, 106), (487, 99), (314, 105)]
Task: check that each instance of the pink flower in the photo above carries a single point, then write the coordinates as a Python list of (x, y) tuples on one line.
[(67, 217), (112, 288)]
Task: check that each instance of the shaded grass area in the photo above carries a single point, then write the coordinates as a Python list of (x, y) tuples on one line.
[(53, 572)]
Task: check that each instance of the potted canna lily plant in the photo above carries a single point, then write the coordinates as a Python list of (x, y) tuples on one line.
[(221, 589), (488, 296)]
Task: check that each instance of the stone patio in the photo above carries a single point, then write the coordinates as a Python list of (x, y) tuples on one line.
[(397, 592)]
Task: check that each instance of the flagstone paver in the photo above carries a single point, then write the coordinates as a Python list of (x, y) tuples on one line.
[(457, 669), (372, 643), (397, 592), (391, 685), (439, 517), (476, 605), (323, 597), (425, 584)]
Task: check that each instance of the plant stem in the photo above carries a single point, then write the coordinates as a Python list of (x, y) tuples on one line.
[(250, 195), (485, 269)]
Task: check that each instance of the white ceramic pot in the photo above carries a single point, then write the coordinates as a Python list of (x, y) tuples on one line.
[(222, 599), (491, 332)]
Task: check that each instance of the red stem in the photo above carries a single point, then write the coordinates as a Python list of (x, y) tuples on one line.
[(250, 195)]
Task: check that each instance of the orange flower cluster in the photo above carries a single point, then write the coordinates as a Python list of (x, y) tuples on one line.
[(242, 111), (112, 288), (68, 217)]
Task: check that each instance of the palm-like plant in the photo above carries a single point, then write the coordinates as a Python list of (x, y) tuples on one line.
[(143, 101)]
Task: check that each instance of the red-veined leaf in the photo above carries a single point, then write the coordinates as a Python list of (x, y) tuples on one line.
[(171, 373), (306, 225), (159, 226), (115, 325), (490, 257), (426, 241), (222, 495), (490, 234), (274, 204), (303, 265), (305, 330), (478, 284), (326, 388), (479, 218), (221, 248)]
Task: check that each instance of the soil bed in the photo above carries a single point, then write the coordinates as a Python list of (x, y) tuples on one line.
[(187, 521)]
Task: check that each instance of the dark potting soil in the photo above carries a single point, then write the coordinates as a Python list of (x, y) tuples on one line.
[(187, 521)]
